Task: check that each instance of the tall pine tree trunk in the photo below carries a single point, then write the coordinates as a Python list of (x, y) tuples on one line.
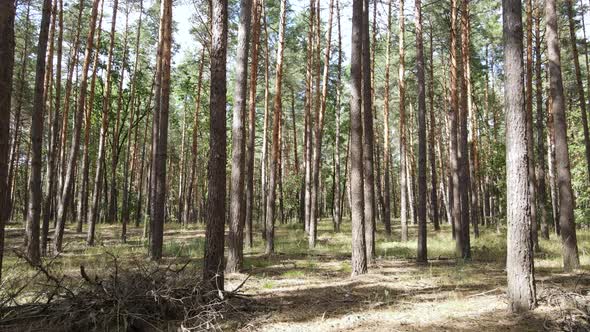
[(359, 255), (235, 256), (7, 43), (519, 263), (277, 111), (422, 256), (213, 262), (571, 259), (64, 195), (35, 192), (100, 158), (402, 127)]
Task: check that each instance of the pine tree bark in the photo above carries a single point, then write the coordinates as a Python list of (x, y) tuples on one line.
[(453, 147), (308, 120), (529, 125), (235, 256), (541, 185), (53, 144), (250, 152), (462, 141), (7, 44), (422, 255), (386, 139), (431, 141), (35, 192), (368, 138), (213, 262), (359, 255), (160, 154), (519, 263), (402, 127), (277, 111), (571, 259)]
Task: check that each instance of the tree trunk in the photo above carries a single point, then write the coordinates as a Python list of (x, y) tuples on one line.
[(319, 127), (116, 149), (453, 147), (359, 255), (235, 256), (519, 263), (402, 128), (64, 196), (7, 43), (35, 193), (542, 189), (571, 259), (337, 181), (422, 256), (368, 136), (189, 202), (100, 158), (158, 213), (431, 141), (308, 122), (250, 153), (270, 203), (463, 150), (529, 126), (213, 262)]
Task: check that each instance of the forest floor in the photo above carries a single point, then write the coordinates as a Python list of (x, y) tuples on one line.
[(298, 289)]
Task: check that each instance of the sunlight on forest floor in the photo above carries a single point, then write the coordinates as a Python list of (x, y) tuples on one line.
[(298, 289)]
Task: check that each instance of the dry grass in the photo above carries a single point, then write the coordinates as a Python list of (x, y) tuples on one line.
[(298, 289)]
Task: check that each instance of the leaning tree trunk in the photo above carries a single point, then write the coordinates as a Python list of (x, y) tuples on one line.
[(567, 225), (35, 193), (519, 262), (7, 42), (235, 252)]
